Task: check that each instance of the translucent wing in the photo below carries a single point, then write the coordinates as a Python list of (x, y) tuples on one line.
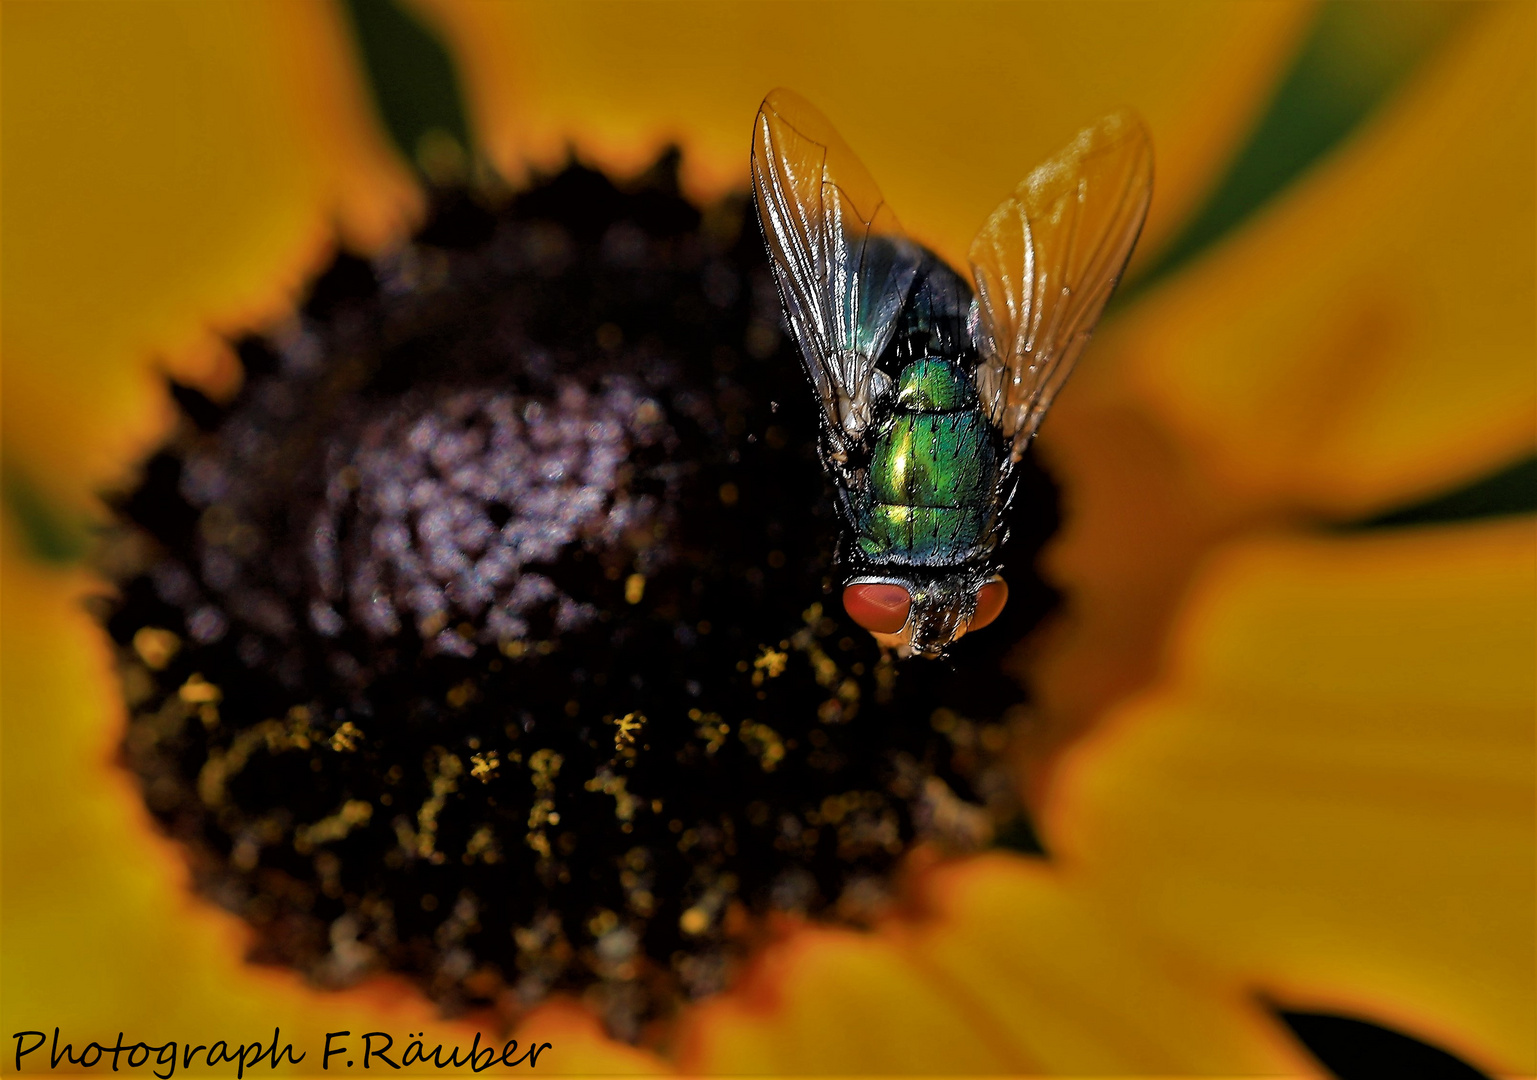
[(1047, 261), (840, 260)]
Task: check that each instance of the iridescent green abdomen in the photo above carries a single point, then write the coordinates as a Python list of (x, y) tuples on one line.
[(929, 501)]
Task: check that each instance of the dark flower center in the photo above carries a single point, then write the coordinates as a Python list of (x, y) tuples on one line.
[(489, 634)]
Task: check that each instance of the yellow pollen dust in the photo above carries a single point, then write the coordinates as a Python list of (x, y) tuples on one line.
[(602, 923), (484, 766), (346, 737), (432, 623), (545, 765), (634, 588), (353, 813), (155, 646), (625, 728), (764, 742), (771, 662), (199, 691), (711, 728)]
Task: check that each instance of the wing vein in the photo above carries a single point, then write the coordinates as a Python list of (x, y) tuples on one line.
[(1076, 217)]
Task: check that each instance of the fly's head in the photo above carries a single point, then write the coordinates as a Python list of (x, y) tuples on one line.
[(922, 614)]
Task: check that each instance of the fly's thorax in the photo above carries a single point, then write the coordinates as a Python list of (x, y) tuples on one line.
[(935, 384)]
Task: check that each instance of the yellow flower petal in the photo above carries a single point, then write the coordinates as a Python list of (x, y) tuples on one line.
[(1033, 952), (1330, 794), (1370, 338), (171, 170), (948, 106), (1008, 968), (1139, 513), (835, 1002)]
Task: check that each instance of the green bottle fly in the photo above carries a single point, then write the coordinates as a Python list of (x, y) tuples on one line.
[(931, 390)]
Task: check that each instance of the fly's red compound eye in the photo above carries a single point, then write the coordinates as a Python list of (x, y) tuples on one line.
[(880, 609), (990, 600)]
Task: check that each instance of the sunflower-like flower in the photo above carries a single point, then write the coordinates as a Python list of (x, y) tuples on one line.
[(1278, 758)]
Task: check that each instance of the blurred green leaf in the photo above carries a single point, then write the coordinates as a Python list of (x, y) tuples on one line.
[(1511, 490), (51, 534), (415, 88), (1356, 55)]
